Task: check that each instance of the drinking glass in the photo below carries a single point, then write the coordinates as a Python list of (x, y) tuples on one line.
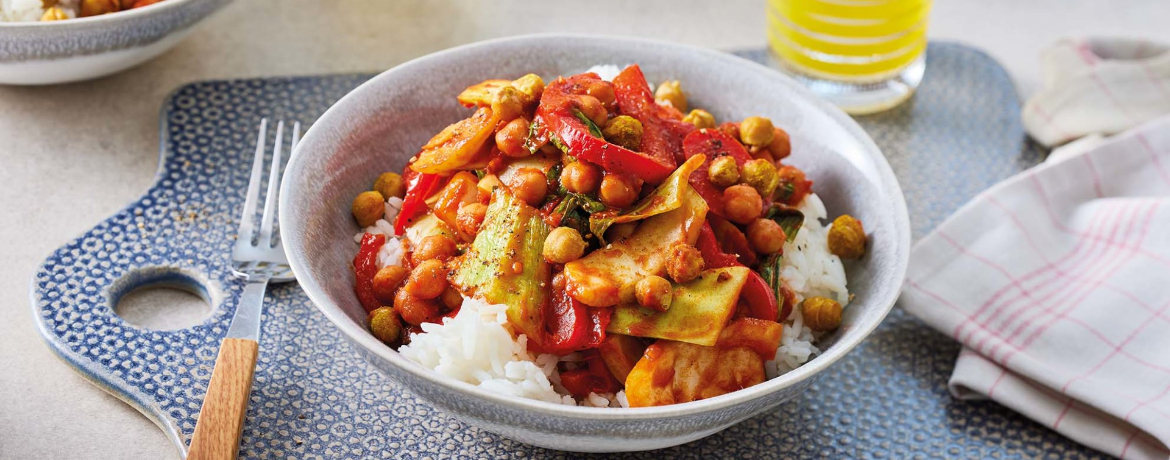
[(864, 56)]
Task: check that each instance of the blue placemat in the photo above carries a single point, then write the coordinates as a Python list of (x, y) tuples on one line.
[(315, 398)]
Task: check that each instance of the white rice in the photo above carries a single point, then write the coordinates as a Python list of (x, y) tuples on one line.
[(391, 252), (606, 72), (476, 347), (810, 270)]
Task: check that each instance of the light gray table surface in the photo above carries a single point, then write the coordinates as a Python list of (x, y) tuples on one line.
[(70, 155)]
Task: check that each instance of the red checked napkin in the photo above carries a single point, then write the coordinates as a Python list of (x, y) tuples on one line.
[(1057, 282)]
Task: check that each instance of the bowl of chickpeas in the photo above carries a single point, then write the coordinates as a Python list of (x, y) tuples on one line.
[(45, 42), (364, 164)]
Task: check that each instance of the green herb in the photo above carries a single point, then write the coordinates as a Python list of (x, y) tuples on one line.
[(590, 205), (789, 218), (479, 173), (770, 271), (557, 142), (530, 141), (554, 174), (593, 129), (785, 191)]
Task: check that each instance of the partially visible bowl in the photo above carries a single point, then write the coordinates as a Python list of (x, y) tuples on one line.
[(44, 53), (382, 123)]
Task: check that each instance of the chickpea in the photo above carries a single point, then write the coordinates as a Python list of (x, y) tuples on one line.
[(723, 172), (756, 131), (617, 191), (730, 129), (581, 177), (54, 14), (742, 204), (438, 247), (470, 218), (486, 185), (628, 294), (510, 139), (781, 146), (683, 262), (387, 281), (761, 175), (702, 119), (529, 185), (96, 7), (507, 103), (625, 131), (368, 207), (390, 184), (618, 232), (765, 236), (603, 91), (385, 325), (531, 86), (558, 281), (415, 310), (593, 109), (427, 280), (847, 237), (451, 298), (594, 290), (563, 245), (670, 92), (821, 314), (653, 292)]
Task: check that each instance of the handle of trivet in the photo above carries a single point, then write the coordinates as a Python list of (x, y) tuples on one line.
[(221, 420)]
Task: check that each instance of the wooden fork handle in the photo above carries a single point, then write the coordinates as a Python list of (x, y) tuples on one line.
[(221, 419)]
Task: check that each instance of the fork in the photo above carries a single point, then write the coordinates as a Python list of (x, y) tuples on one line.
[(221, 419)]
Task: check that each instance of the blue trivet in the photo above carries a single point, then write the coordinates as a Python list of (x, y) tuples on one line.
[(315, 398)]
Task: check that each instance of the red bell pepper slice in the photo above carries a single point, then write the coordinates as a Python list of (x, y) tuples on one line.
[(712, 143), (592, 377), (756, 293), (419, 186), (635, 99), (572, 326), (555, 114), (794, 186), (364, 268)]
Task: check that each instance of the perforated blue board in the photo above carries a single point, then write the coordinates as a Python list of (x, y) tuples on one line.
[(315, 398)]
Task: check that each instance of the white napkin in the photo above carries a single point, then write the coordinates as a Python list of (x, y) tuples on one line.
[(1098, 85), (1057, 282)]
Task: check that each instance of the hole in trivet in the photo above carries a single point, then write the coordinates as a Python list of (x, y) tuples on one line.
[(161, 298)]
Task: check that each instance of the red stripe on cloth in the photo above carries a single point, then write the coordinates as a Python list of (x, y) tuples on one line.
[(991, 389), (1059, 418), (1128, 442), (1155, 80), (1118, 256), (1096, 177), (1117, 349), (947, 303), (996, 312), (1112, 97), (1064, 286), (1111, 258), (1141, 137), (1048, 119)]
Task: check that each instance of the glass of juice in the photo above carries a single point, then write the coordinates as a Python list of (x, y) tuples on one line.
[(865, 56)]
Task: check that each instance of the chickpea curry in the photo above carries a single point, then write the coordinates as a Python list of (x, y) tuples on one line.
[(613, 223)]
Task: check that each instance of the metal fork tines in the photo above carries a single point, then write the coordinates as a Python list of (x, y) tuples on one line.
[(258, 258)]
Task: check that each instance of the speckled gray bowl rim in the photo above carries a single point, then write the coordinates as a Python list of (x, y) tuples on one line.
[(91, 21), (726, 63)]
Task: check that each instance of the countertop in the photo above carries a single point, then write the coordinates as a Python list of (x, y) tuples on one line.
[(73, 154)]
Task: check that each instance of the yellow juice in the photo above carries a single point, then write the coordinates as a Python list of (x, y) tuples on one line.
[(848, 40)]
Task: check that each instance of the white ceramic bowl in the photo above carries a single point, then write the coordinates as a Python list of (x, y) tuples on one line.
[(379, 125), (43, 53)]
